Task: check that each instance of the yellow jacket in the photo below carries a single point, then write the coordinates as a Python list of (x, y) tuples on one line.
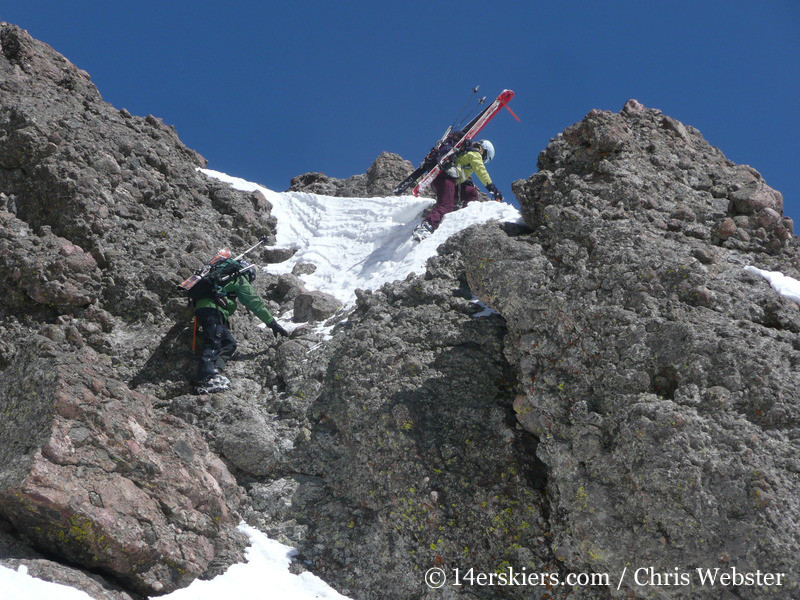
[(469, 163)]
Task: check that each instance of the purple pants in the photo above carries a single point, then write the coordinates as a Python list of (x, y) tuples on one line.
[(448, 193)]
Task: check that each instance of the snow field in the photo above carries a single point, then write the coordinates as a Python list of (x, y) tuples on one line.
[(360, 243)]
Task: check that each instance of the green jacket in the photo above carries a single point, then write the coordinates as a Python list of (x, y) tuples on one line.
[(469, 163), (241, 289)]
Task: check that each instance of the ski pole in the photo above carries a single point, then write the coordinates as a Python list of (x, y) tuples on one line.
[(235, 274), (461, 115), (463, 108), (263, 240), (478, 108)]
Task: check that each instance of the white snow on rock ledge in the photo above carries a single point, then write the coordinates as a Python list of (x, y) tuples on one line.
[(265, 574), (360, 243), (783, 284), (18, 585)]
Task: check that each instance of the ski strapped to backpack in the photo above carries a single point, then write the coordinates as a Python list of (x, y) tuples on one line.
[(430, 167), (209, 281)]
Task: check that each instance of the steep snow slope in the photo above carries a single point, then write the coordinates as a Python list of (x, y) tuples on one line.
[(360, 242)]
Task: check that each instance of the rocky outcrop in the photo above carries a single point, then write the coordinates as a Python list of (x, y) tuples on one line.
[(649, 167), (315, 306), (380, 179), (657, 374), (101, 213), (412, 458), (119, 188), (91, 473), (650, 377)]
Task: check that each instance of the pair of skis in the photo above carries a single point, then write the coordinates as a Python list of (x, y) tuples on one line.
[(429, 168), (223, 254)]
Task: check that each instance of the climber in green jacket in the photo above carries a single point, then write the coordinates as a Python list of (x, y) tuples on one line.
[(212, 314)]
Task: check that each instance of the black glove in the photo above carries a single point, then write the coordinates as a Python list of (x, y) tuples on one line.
[(494, 192), (277, 329)]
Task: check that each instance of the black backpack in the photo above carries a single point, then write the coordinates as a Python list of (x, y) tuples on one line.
[(437, 154), (209, 281)]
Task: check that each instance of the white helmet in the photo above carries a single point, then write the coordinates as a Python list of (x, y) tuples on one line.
[(488, 150)]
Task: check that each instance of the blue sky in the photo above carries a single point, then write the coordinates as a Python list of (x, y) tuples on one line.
[(266, 91)]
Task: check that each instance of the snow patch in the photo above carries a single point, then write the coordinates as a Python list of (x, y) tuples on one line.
[(487, 311), (360, 243), (783, 284), (264, 574), (18, 585)]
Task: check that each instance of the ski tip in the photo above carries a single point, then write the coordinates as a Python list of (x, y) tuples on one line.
[(506, 95)]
